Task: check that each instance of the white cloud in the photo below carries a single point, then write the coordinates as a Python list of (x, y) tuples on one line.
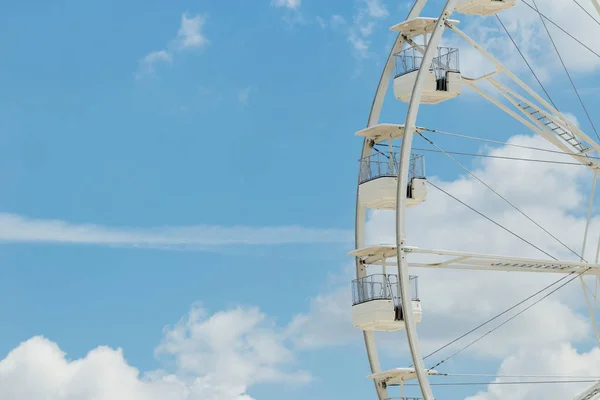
[(15, 228), (189, 36), (291, 4), (376, 9), (239, 345), (148, 63), (217, 357), (327, 323), (190, 33), (455, 301), (369, 12), (571, 117), (563, 358)]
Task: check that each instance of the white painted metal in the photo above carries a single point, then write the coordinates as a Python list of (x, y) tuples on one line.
[(418, 26), (398, 376), (589, 215), (380, 193), (360, 216), (375, 255), (484, 7), (380, 316), (596, 5), (409, 129), (591, 307), (592, 393), (382, 132), (404, 84)]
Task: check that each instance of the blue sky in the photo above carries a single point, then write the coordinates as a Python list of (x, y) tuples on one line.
[(161, 157)]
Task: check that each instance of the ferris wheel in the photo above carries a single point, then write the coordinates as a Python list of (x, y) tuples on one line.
[(385, 295)]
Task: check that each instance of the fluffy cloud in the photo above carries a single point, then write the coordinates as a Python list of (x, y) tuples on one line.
[(563, 358), (554, 195), (217, 357), (327, 322)]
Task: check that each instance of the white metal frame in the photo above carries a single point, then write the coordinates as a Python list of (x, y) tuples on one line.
[(361, 211), (409, 130)]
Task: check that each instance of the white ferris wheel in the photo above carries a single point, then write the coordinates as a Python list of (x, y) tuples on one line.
[(385, 296)]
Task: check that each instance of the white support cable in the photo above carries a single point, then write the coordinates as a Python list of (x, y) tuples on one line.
[(567, 71), (597, 251), (520, 376), (517, 383), (503, 198), (591, 310), (525, 59), (508, 144), (587, 12), (510, 318), (589, 214)]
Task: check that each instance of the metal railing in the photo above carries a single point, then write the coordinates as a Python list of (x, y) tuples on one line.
[(384, 163), (410, 59), (404, 398), (381, 287)]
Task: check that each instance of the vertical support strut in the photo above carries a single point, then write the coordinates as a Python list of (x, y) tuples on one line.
[(591, 307), (409, 129), (361, 212), (597, 5)]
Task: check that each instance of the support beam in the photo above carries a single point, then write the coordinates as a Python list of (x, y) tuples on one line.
[(596, 5), (409, 130), (593, 393)]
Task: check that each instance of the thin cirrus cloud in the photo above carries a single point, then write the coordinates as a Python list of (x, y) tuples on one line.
[(189, 36), (16, 228), (291, 4)]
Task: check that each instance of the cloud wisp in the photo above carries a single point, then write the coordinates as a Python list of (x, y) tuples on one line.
[(16, 228), (189, 36)]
